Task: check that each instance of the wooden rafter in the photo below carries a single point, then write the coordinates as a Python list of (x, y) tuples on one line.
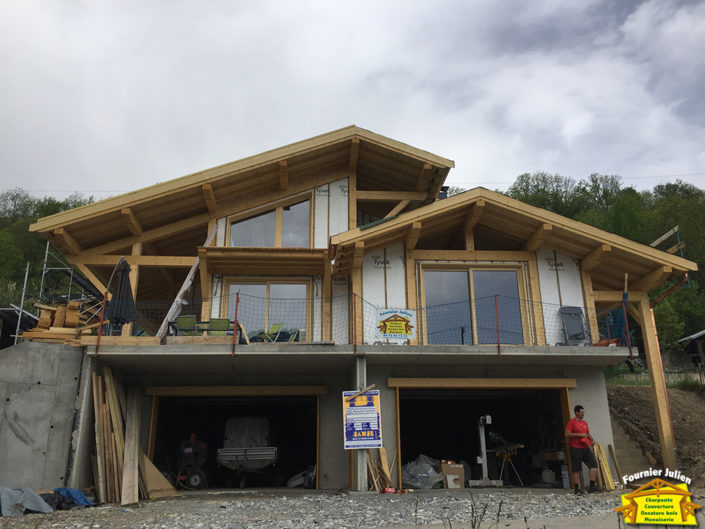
[(593, 259), (354, 152), (66, 240), (283, 175), (97, 283), (425, 169), (209, 198), (131, 221), (170, 261), (398, 208), (653, 279), (538, 238), (413, 237), (389, 196)]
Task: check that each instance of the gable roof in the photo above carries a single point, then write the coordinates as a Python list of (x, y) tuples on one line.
[(379, 163), (521, 226)]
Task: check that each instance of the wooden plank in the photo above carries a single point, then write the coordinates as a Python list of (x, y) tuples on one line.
[(538, 238), (608, 472), (481, 383), (209, 198), (107, 450), (130, 484), (354, 152), (326, 314), (412, 237), (616, 463), (235, 391), (60, 316), (398, 208), (160, 261), (598, 473), (98, 429), (131, 221), (64, 239), (593, 259), (121, 340), (352, 201), (470, 222), (464, 255), (425, 170), (283, 176), (398, 421), (536, 303), (665, 236), (115, 416), (157, 485), (73, 318), (153, 427), (589, 300), (184, 288), (384, 464), (653, 278)]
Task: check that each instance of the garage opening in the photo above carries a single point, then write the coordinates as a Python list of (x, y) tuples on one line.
[(287, 423), (526, 424)]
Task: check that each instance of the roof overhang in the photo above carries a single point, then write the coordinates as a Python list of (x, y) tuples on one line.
[(606, 256)]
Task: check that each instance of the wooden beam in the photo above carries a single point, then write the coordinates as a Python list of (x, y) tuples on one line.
[(614, 295), (352, 201), (658, 382), (170, 261), (389, 196), (412, 237), (209, 198), (326, 314), (411, 303), (206, 285), (589, 299), (235, 391), (283, 176), (154, 234), (464, 255), (425, 169), (481, 383), (593, 259), (653, 279), (396, 209), (357, 255), (538, 238), (134, 281), (535, 298), (131, 221), (471, 220), (97, 283), (66, 240), (354, 152)]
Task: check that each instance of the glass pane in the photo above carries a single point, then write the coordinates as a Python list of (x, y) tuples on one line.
[(252, 306), (447, 307), (288, 306), (503, 284), (255, 231), (295, 225)]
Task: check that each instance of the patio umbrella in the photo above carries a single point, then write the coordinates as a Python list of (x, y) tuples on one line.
[(121, 309)]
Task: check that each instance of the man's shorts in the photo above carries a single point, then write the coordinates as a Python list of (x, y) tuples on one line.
[(580, 455)]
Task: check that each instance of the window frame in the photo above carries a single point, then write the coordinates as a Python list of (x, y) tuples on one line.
[(278, 209), (522, 286), (267, 281)]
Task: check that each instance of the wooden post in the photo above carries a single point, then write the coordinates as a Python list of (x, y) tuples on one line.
[(326, 316), (134, 280), (658, 383)]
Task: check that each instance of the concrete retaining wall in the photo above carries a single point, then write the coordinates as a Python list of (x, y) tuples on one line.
[(38, 391)]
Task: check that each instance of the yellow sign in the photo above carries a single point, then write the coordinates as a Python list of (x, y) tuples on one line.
[(659, 502)]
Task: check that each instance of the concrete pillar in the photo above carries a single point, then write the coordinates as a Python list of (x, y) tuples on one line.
[(360, 456)]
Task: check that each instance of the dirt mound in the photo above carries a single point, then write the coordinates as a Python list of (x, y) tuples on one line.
[(633, 408)]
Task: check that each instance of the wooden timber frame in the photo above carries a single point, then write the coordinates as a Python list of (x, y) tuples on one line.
[(561, 384), (235, 391)]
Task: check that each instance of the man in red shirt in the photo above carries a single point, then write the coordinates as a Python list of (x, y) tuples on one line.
[(580, 442)]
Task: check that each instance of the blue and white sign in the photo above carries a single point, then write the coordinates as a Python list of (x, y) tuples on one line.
[(362, 420)]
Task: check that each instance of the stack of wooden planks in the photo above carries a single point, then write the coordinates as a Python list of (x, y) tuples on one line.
[(604, 475), (378, 471), (122, 473), (64, 324)]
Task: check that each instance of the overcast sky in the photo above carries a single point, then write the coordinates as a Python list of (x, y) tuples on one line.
[(104, 97)]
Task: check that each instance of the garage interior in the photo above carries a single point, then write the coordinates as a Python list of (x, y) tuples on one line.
[(292, 429), (443, 424)]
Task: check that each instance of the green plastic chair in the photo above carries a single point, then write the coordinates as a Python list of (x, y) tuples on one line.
[(218, 327), (186, 326), (273, 333)]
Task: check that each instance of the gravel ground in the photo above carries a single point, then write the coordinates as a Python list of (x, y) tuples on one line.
[(301, 509)]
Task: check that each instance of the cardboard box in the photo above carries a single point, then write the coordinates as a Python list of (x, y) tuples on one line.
[(453, 475)]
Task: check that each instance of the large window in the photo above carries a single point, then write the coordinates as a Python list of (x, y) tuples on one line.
[(473, 306), (267, 304), (286, 226)]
